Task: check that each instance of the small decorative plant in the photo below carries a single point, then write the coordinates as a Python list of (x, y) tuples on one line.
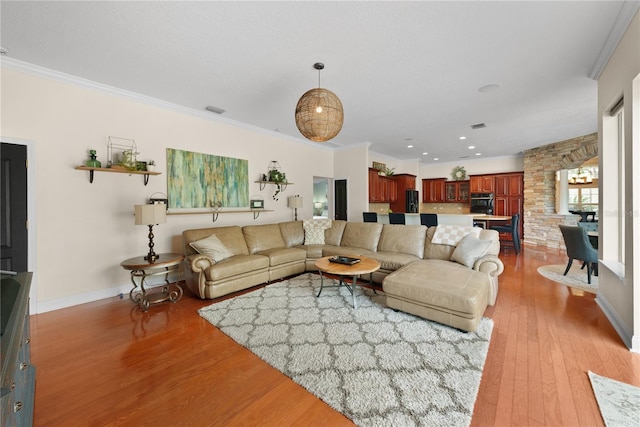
[(389, 171), (277, 177)]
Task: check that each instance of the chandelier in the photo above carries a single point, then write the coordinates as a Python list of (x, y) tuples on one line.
[(319, 114), (582, 177)]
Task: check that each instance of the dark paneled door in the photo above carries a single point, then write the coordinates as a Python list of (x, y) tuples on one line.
[(13, 186), (341, 199)]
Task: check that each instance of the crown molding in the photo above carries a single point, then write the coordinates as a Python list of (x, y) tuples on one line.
[(38, 71), (627, 11)]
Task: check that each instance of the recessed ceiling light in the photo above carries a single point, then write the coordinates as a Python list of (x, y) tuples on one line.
[(489, 88), (409, 146), (478, 154), (425, 153), (462, 137), (436, 158), (471, 147)]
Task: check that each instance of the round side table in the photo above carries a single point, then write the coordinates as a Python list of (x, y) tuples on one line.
[(141, 269)]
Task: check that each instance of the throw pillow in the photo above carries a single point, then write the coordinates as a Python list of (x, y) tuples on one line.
[(314, 231), (469, 249), (212, 247), (447, 234)]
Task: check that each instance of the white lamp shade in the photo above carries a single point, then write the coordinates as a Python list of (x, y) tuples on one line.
[(150, 214), (295, 202)]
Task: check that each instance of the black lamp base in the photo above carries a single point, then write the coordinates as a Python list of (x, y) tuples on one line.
[(151, 256)]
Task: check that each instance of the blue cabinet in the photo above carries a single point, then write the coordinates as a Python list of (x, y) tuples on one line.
[(18, 375)]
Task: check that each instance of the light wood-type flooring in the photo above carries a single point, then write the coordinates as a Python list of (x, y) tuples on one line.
[(107, 363)]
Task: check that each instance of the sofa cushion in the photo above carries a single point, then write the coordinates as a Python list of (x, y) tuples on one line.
[(212, 247), (448, 285), (333, 235), (279, 256), (231, 237), (365, 235), (263, 237), (447, 234), (314, 230), (393, 260), (406, 239), (469, 249), (292, 233)]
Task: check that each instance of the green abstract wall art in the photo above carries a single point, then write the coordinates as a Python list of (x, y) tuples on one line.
[(198, 180)]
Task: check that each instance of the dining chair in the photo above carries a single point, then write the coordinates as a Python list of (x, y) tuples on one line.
[(578, 247), (512, 229), (396, 218), (370, 216), (429, 219), (590, 226)]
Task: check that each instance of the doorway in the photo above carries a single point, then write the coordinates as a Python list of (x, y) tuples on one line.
[(13, 188), (341, 199)]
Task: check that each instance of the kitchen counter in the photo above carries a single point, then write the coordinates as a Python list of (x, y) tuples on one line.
[(414, 219)]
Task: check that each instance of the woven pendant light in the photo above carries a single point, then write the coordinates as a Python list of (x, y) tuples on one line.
[(319, 114)]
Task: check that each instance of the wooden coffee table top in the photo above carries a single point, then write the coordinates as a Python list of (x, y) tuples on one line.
[(366, 265)]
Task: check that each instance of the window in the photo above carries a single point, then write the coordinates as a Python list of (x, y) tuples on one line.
[(583, 199), (618, 111)]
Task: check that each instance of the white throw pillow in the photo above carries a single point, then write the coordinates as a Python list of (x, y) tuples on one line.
[(212, 247), (314, 230), (469, 249)]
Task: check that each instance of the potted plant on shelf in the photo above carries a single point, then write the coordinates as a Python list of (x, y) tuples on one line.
[(151, 166), (276, 177)]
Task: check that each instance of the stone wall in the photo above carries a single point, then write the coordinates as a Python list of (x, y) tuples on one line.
[(540, 166)]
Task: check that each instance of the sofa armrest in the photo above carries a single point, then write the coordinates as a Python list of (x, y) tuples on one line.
[(199, 262), (489, 264)]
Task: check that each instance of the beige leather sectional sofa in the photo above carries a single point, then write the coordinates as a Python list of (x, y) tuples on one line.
[(256, 254)]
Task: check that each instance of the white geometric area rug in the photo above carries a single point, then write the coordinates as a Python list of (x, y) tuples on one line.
[(376, 366), (619, 402)]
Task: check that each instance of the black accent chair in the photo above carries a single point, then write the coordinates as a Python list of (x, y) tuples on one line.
[(590, 226), (370, 216), (579, 247), (428, 219), (396, 218), (513, 229)]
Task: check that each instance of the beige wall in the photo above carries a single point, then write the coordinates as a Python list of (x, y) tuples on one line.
[(83, 231), (619, 291)]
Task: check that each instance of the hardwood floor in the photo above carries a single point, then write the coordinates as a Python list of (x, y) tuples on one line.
[(106, 363)]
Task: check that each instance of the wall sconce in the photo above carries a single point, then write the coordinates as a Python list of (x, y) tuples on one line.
[(150, 215), (295, 202)]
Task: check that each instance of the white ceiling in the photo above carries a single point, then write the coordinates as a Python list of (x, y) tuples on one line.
[(406, 72)]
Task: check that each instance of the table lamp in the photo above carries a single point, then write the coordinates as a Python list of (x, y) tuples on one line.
[(295, 202), (150, 215)]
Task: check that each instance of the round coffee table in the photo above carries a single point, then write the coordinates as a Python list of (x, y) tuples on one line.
[(366, 265)]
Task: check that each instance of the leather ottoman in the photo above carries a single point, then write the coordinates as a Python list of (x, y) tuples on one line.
[(439, 290)]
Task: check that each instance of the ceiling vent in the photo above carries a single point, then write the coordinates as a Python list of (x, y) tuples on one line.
[(478, 126), (214, 109)]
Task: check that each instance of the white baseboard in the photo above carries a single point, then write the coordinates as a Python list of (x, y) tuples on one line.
[(617, 323), (59, 303)]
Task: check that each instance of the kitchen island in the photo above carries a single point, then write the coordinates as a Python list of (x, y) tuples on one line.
[(414, 219)]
